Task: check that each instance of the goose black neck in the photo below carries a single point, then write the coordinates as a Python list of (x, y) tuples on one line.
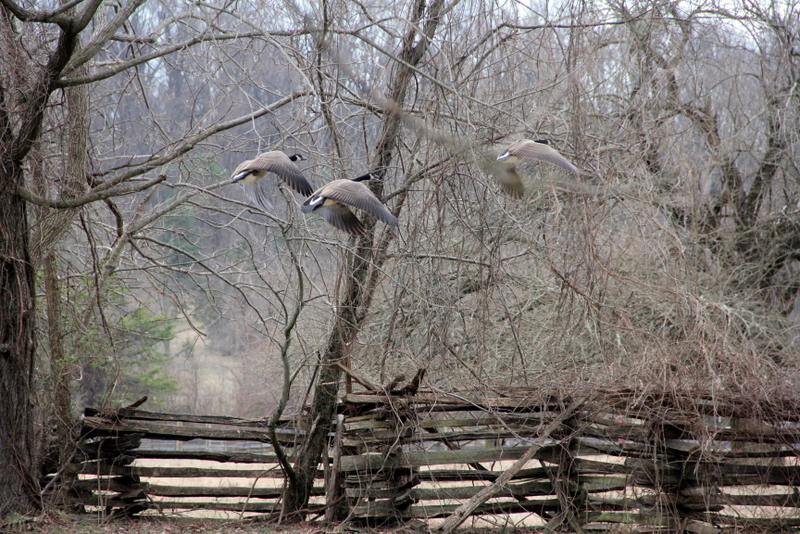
[(364, 177)]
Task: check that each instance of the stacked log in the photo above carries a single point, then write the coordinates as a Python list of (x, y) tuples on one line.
[(112, 479), (616, 462), (645, 463)]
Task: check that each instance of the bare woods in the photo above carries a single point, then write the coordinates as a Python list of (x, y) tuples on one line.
[(130, 266)]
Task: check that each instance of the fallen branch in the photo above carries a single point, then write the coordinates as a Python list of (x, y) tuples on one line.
[(364, 381), (461, 513)]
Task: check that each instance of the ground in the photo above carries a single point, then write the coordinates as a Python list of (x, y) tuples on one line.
[(152, 525), (60, 524)]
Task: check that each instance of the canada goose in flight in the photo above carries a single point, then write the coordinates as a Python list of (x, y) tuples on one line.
[(332, 201), (252, 171), (506, 172)]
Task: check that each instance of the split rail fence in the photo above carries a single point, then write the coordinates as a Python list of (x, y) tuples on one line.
[(654, 463)]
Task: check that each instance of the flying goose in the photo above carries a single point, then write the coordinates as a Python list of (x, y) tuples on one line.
[(332, 201), (252, 171), (506, 172)]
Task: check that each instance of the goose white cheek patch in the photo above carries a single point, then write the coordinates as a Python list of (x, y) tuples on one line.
[(315, 201)]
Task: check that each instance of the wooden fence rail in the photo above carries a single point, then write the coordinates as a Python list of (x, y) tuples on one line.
[(645, 463)]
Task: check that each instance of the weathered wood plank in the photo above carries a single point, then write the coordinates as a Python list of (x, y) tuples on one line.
[(715, 496), (407, 435), (237, 457), (680, 448), (479, 420), (443, 400), (118, 484), (615, 448), (144, 415), (104, 501), (748, 429), (625, 402), (250, 506), (629, 518), (525, 489), (183, 491), (595, 483), (719, 474), (586, 466), (173, 472), (595, 502), (374, 462), (613, 432), (746, 523), (156, 430), (463, 475), (365, 398), (217, 491), (384, 509)]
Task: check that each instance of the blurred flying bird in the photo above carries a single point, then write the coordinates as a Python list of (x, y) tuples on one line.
[(252, 171), (332, 201), (505, 168)]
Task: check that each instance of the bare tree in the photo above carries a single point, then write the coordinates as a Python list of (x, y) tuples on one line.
[(672, 260), (45, 51)]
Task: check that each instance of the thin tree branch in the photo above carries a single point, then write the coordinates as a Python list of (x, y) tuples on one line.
[(100, 38), (55, 16), (138, 60), (93, 196), (106, 189)]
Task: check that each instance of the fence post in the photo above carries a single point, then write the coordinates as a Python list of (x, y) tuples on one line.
[(664, 473), (570, 492), (335, 499)]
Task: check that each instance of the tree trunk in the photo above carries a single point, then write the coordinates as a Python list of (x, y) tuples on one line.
[(20, 128), (323, 407), (62, 441), (360, 278), (19, 490)]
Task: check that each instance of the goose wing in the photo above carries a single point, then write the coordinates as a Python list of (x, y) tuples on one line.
[(259, 193), (339, 216), (359, 196), (279, 163), (509, 179), (252, 186), (533, 150)]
